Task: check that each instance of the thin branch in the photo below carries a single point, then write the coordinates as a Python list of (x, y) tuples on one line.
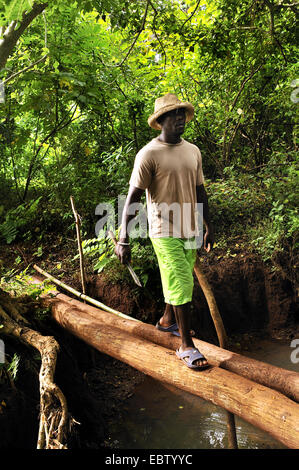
[(156, 34), (56, 129), (272, 27), (134, 42), (286, 5), (192, 14), (243, 85), (14, 75), (120, 89), (249, 28), (79, 240), (226, 147), (230, 143), (292, 6), (11, 150)]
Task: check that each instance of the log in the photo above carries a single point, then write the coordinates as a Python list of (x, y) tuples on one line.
[(265, 408), (281, 380)]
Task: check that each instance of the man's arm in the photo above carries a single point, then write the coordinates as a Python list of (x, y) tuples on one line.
[(123, 252), (209, 235)]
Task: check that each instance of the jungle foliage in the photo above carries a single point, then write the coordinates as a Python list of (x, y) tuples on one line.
[(81, 80)]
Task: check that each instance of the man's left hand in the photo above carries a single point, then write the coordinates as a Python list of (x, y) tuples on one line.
[(208, 240)]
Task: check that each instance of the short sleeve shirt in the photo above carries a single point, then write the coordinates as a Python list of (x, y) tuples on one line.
[(169, 173)]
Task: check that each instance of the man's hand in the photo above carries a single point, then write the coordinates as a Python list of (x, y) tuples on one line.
[(123, 252), (202, 198), (208, 240)]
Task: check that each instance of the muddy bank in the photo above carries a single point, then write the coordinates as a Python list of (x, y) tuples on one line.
[(250, 294), (250, 297)]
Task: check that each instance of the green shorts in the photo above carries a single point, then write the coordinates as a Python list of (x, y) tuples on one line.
[(176, 263)]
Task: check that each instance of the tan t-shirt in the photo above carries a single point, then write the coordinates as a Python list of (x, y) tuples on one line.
[(169, 173)]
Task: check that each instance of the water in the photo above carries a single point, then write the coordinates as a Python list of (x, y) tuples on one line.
[(159, 416)]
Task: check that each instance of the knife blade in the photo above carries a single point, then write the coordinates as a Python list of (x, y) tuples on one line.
[(134, 275), (131, 270)]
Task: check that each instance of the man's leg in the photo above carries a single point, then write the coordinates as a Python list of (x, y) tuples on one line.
[(183, 314), (176, 269), (168, 317)]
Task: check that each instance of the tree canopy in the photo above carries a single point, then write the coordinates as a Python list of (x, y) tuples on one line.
[(79, 81)]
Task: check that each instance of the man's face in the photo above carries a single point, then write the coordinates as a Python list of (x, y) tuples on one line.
[(173, 122)]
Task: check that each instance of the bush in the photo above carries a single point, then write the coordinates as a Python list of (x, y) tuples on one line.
[(18, 220), (101, 252), (260, 208)]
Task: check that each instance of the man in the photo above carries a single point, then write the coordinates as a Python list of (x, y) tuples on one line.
[(169, 169)]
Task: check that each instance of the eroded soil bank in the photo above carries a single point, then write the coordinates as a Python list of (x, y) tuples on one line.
[(251, 299), (254, 303)]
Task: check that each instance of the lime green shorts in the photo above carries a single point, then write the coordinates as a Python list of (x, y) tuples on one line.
[(176, 263)]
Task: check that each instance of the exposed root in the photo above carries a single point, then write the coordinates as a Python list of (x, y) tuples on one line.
[(11, 307), (54, 417)]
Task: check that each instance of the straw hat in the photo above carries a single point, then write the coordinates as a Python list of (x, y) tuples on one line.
[(168, 103)]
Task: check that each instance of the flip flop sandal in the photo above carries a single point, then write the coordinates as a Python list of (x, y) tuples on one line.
[(190, 356), (174, 329)]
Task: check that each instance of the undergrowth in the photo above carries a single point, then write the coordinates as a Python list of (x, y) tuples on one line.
[(255, 210)]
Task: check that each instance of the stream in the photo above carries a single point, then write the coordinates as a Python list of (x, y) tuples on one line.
[(158, 416)]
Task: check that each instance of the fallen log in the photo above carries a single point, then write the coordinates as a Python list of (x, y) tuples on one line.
[(281, 380), (265, 408)]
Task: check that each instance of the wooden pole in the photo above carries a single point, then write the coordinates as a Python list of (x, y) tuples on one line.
[(214, 311), (78, 225), (97, 303), (281, 380), (222, 338), (263, 407)]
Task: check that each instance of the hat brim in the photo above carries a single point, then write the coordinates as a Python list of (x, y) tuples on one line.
[(152, 120)]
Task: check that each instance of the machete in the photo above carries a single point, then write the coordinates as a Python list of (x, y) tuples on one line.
[(132, 272)]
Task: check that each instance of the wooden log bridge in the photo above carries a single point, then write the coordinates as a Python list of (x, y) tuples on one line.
[(150, 351)]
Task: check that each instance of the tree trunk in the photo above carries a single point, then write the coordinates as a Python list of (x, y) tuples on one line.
[(12, 34), (265, 408), (284, 381)]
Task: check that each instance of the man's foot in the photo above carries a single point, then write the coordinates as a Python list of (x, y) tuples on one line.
[(169, 329), (173, 328), (192, 357)]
